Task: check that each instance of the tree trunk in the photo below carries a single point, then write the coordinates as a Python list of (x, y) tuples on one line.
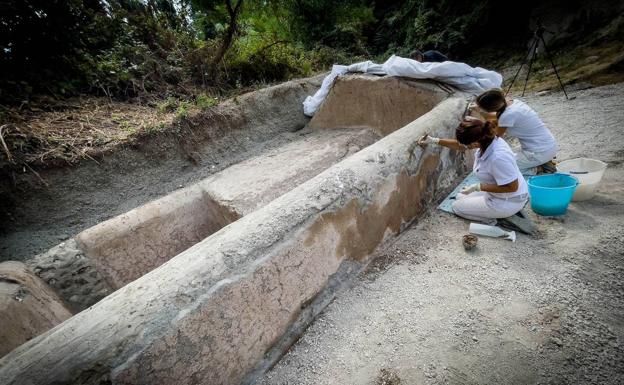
[(229, 35)]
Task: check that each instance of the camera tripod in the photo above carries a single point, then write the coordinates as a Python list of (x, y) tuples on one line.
[(538, 37)]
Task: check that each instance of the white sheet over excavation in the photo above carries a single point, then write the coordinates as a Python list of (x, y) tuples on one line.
[(470, 79)]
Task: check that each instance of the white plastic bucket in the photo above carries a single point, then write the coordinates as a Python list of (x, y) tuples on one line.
[(589, 173)]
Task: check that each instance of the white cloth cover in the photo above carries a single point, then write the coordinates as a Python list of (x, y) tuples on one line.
[(460, 75), (367, 67), (312, 103)]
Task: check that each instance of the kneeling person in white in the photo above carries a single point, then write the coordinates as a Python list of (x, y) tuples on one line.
[(502, 190), (537, 144)]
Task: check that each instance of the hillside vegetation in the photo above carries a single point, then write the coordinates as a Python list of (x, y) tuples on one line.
[(82, 74)]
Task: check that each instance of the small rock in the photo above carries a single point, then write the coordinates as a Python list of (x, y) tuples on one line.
[(556, 341)]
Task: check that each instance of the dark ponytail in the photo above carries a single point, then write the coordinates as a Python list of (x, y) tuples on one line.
[(475, 130), (493, 101)]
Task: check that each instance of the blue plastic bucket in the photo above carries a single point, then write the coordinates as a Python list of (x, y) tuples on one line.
[(551, 194)]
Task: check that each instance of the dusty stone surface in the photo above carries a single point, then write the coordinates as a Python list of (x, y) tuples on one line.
[(28, 306), (209, 314), (72, 275), (125, 247), (35, 217), (384, 103), (544, 310), (128, 246), (249, 185)]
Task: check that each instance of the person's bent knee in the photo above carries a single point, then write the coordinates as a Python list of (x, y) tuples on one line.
[(459, 209)]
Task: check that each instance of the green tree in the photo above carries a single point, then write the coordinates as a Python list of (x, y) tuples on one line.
[(233, 10), (338, 24)]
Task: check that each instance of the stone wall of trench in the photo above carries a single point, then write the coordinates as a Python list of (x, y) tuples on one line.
[(101, 259), (105, 257), (383, 102), (27, 306), (210, 314)]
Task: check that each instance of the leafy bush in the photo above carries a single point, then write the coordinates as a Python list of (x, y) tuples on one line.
[(168, 105), (275, 61), (204, 101), (125, 48), (183, 109), (324, 57)]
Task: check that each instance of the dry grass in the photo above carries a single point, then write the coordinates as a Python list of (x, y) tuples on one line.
[(75, 131), (595, 64)]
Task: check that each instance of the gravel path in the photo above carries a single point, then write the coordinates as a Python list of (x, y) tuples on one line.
[(548, 309)]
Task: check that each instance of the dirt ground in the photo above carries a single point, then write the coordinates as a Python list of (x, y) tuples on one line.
[(34, 217), (91, 198), (547, 309)]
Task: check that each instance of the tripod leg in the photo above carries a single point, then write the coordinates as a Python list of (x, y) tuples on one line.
[(515, 76), (526, 59), (554, 67), (526, 80)]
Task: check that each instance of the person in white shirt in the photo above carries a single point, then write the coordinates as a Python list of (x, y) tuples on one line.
[(537, 144), (502, 190)]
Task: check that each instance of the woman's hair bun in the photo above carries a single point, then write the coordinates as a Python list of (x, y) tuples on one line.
[(474, 130)]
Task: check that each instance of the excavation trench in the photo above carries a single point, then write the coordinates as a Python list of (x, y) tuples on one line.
[(128, 246), (113, 253), (211, 281)]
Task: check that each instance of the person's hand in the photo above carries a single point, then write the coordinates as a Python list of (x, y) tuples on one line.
[(428, 140), (473, 107), (471, 188)]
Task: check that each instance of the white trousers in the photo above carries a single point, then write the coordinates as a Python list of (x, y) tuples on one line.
[(528, 161), (484, 207)]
